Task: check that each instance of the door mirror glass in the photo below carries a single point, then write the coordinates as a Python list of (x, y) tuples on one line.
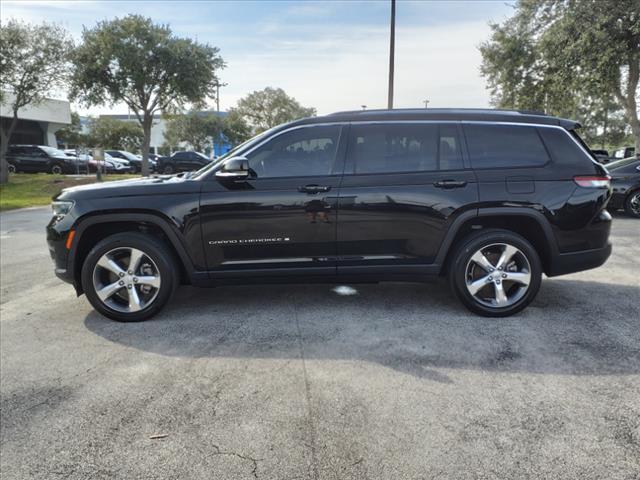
[(236, 168)]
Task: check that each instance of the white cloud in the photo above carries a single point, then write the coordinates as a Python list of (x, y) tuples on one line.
[(343, 70)]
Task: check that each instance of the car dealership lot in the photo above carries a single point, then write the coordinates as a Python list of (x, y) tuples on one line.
[(396, 381)]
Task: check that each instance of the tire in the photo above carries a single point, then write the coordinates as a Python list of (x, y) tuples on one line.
[(167, 170), (632, 204), (56, 169), (155, 261), (12, 168), (517, 279)]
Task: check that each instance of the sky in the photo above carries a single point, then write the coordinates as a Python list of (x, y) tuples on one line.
[(331, 55)]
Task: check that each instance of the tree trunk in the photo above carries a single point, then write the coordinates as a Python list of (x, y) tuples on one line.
[(146, 128), (5, 139)]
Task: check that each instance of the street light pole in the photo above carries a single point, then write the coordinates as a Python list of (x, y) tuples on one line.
[(392, 47), (426, 104)]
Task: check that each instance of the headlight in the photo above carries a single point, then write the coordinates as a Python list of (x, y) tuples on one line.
[(61, 208)]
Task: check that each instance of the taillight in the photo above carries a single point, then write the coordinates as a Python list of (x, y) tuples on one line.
[(593, 182)]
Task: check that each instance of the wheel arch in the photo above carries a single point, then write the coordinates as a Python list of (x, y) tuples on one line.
[(530, 224), (91, 229)]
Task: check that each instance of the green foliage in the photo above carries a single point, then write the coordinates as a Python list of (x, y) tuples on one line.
[(195, 129), (71, 135), (142, 64), (267, 108), (33, 62), (568, 58), (235, 128), (114, 134), (199, 130)]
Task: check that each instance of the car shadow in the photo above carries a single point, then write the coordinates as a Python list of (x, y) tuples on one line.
[(573, 327)]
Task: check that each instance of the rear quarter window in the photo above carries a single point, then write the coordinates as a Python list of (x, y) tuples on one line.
[(504, 146), (563, 148)]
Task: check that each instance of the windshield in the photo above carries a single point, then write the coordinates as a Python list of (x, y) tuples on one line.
[(129, 156), (54, 152), (232, 152)]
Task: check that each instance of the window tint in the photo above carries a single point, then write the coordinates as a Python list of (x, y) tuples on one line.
[(403, 148), (496, 146), (563, 150), (302, 152)]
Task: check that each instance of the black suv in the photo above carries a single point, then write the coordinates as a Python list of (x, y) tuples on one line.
[(40, 158), (182, 162), (491, 199)]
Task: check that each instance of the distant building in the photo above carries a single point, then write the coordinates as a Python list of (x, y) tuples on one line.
[(159, 126), (37, 124)]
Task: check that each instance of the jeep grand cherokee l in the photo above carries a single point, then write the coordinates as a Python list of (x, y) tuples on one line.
[(490, 199)]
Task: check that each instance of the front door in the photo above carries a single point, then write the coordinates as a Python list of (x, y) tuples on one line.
[(282, 220), (404, 184)]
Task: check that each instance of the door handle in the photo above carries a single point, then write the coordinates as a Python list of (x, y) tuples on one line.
[(450, 184), (314, 189)]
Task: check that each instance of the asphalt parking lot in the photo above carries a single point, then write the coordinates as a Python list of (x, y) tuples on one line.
[(293, 382)]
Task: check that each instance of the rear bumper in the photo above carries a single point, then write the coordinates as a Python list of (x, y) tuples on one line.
[(578, 261)]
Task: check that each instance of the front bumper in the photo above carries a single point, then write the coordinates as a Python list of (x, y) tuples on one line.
[(565, 263)]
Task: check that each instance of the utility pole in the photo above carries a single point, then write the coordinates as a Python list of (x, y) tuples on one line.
[(426, 104), (392, 47), (218, 85)]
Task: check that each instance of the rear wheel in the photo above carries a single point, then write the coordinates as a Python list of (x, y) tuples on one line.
[(12, 168), (632, 204), (495, 273), (129, 276)]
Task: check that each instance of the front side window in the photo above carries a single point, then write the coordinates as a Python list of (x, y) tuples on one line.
[(309, 151), (397, 148), (504, 146)]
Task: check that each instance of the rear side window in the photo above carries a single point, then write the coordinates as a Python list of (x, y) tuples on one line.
[(504, 146), (562, 148), (397, 148)]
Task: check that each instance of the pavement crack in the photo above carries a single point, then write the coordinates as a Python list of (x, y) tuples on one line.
[(307, 387), (254, 461)]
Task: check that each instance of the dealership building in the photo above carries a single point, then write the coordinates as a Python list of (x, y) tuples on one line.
[(37, 124)]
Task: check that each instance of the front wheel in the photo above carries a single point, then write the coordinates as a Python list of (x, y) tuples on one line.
[(168, 170), (632, 204), (129, 277), (56, 170), (495, 273), (12, 168)]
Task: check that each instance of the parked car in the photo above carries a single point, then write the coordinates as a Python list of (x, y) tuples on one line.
[(624, 152), (182, 162), (491, 199), (155, 157), (134, 160), (41, 158), (602, 156), (119, 165), (625, 181)]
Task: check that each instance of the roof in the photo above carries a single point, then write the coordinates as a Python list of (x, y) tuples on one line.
[(455, 114)]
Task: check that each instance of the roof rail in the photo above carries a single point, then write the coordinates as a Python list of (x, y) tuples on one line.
[(441, 110)]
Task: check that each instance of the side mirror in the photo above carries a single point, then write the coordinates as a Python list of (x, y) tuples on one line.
[(235, 168)]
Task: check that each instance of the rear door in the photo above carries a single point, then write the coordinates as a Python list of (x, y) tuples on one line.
[(404, 184)]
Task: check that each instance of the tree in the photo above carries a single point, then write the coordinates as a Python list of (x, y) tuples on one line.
[(235, 128), (563, 55), (134, 61), (72, 134), (267, 108), (195, 129), (114, 134), (33, 62)]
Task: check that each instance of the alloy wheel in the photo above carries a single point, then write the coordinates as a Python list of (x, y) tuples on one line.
[(56, 169), (634, 203), (126, 280), (498, 275)]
